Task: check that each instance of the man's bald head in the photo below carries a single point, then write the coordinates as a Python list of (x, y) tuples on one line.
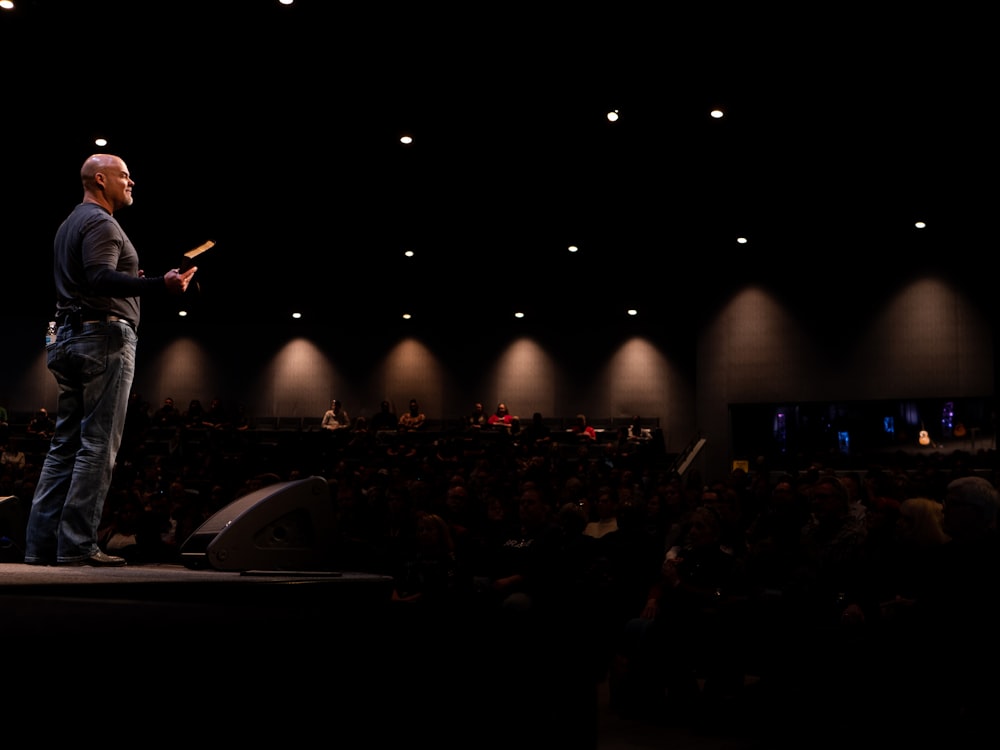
[(106, 181), (96, 163)]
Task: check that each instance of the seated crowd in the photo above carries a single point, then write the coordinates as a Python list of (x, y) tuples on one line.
[(872, 589)]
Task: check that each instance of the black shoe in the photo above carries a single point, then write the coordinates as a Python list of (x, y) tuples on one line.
[(100, 560)]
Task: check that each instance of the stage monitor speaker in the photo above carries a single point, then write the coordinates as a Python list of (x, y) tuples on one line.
[(284, 526), (13, 528)]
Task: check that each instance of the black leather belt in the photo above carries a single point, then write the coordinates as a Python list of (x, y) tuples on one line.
[(92, 316), (106, 319)]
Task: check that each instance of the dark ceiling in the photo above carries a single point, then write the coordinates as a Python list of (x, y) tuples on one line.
[(274, 131)]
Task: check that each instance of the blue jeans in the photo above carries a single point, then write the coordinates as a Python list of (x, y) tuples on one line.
[(94, 367)]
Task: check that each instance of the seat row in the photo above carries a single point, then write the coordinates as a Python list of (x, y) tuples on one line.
[(556, 424)]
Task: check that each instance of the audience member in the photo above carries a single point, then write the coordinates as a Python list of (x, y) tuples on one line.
[(194, 415), (13, 457), (361, 441), (241, 418), (413, 419), (478, 418), (830, 551), (433, 577), (41, 425), (536, 436), (725, 500), (384, 419), (686, 629), (961, 607), (636, 432), (217, 416), (336, 417), (629, 564), (520, 567), (394, 521), (583, 430), (500, 524), (461, 513), (929, 609), (828, 566), (501, 418), (402, 455), (773, 536), (896, 573), (605, 518), (649, 513), (855, 502), (167, 415), (664, 512)]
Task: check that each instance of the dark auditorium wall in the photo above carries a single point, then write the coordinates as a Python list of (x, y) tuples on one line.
[(603, 375), (926, 339)]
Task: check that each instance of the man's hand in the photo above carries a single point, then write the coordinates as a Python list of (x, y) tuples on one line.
[(177, 282)]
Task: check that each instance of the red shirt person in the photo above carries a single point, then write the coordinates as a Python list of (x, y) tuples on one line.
[(584, 430), (501, 417)]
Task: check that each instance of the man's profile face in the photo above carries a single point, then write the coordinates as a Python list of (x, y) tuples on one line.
[(117, 184)]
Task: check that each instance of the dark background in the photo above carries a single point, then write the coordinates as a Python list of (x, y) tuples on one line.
[(274, 131)]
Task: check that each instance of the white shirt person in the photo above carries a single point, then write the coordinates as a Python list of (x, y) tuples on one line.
[(336, 417)]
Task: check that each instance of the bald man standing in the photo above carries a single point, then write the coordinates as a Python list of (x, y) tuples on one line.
[(98, 284)]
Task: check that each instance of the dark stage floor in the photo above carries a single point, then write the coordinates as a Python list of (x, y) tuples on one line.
[(163, 651), (184, 655)]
